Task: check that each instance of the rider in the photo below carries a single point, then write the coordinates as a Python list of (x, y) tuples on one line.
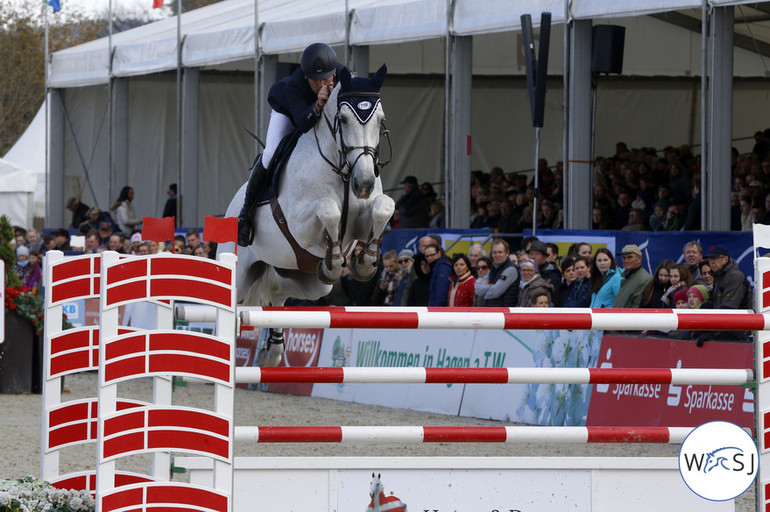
[(297, 101)]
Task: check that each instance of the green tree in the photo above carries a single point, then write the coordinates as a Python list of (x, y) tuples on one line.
[(22, 74)]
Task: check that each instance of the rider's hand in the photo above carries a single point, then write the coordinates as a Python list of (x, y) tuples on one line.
[(323, 96)]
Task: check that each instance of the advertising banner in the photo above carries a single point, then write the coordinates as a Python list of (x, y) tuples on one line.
[(393, 348), (664, 404)]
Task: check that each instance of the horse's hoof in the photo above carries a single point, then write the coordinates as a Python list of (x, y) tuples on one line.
[(270, 357), (323, 277)]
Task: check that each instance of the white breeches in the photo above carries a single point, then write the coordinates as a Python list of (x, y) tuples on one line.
[(279, 127)]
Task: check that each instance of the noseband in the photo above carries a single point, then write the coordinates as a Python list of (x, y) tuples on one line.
[(355, 100)]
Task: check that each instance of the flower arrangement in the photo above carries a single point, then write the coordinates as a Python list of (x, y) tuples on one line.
[(29, 494), (19, 299)]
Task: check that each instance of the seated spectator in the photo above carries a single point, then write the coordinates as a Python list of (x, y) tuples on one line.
[(62, 238), (412, 206), (436, 215), (531, 282), (635, 220), (605, 280), (463, 287), (33, 241), (579, 290)]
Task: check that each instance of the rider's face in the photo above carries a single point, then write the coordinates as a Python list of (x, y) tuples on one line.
[(316, 85)]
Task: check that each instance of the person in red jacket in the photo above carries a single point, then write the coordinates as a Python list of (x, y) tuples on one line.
[(463, 287)]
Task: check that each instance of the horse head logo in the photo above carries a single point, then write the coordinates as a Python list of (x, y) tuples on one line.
[(718, 458)]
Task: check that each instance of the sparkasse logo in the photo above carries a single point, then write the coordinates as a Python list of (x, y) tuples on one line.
[(718, 460)]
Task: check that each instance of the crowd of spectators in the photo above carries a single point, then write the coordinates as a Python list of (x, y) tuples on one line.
[(536, 276), (637, 189)]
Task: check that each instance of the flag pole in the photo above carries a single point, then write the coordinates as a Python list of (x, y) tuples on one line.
[(110, 153), (46, 98), (180, 184)]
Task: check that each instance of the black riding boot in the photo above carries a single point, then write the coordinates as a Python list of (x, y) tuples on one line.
[(257, 182)]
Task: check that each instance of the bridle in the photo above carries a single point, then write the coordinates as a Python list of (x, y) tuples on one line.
[(343, 167)]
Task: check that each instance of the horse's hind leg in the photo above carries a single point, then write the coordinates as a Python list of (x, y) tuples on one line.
[(365, 265)]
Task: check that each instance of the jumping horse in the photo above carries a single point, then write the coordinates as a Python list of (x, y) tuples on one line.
[(328, 196)]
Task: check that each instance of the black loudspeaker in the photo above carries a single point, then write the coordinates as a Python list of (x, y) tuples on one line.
[(607, 49)]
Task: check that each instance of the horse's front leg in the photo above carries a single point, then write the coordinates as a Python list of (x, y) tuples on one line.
[(365, 265), (270, 355), (330, 269)]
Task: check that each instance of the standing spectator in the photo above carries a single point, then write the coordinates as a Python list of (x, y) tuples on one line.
[(358, 292), (441, 270), (169, 209), (540, 298), (385, 290), (436, 215), (49, 243), (193, 238), (463, 286), (698, 297), (62, 239), (635, 278), (693, 254), (580, 289), (500, 288), (481, 271), (531, 284), (105, 232), (79, 212), (474, 253), (731, 288), (656, 288), (585, 250), (419, 295), (136, 242), (679, 279), (33, 241), (427, 240), (706, 277), (406, 277), (538, 251), (92, 242), (412, 206), (116, 243), (569, 276), (605, 279), (124, 211), (27, 273)]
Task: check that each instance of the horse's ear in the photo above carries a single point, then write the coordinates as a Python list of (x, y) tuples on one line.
[(379, 475), (372, 474), (344, 77), (379, 76)]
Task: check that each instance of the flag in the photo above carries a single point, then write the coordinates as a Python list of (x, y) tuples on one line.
[(55, 5), (158, 230), (220, 230), (155, 4)]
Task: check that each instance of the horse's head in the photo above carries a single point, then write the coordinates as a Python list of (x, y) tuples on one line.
[(375, 486), (361, 124)]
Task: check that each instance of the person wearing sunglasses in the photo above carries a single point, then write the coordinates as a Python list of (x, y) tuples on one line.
[(406, 277)]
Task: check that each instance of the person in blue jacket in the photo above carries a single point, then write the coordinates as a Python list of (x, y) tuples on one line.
[(297, 101), (605, 279), (441, 271)]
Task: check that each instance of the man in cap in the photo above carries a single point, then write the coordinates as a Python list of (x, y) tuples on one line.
[(62, 238), (731, 288), (79, 212), (412, 207), (549, 270), (406, 277), (635, 278)]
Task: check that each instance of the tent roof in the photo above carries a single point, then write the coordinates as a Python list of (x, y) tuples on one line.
[(224, 32), (14, 178)]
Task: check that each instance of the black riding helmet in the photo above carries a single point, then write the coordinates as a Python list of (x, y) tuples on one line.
[(318, 61)]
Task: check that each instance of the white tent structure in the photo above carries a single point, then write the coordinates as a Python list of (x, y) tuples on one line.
[(17, 186), (455, 99), (29, 153)]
